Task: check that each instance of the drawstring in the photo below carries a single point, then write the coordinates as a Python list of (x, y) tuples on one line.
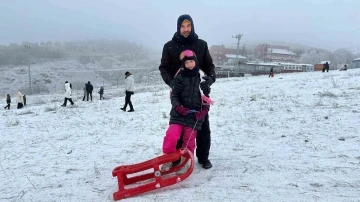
[(191, 133)]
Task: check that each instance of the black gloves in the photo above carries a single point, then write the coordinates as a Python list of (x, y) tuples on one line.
[(205, 85), (209, 79)]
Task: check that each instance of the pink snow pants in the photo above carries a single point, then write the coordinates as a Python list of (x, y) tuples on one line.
[(173, 134)]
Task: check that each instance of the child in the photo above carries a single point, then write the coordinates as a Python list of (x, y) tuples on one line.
[(188, 112), (101, 92), (8, 101)]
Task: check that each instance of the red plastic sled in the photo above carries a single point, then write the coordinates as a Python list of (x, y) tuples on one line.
[(155, 179)]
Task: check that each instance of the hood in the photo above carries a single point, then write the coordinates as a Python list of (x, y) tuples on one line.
[(178, 37)]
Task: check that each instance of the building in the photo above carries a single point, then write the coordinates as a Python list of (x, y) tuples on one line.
[(272, 53), (222, 55), (319, 66), (355, 64), (293, 67)]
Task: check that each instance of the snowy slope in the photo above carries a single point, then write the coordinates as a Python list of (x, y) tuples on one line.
[(49, 77), (273, 139)]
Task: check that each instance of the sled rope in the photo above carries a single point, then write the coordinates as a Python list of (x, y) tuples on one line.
[(191, 134)]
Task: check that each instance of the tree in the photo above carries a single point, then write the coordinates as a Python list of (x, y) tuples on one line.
[(314, 56), (342, 56)]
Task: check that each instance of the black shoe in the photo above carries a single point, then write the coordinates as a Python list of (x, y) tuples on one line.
[(63, 105), (131, 110), (123, 109), (205, 164)]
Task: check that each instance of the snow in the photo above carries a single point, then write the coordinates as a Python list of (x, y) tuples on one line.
[(273, 139), (282, 51)]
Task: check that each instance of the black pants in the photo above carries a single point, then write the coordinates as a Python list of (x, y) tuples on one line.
[(128, 100), (203, 141), (84, 97), (20, 105), (65, 101), (89, 93), (101, 97), (7, 106)]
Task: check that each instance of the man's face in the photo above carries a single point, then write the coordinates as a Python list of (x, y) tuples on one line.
[(185, 28)]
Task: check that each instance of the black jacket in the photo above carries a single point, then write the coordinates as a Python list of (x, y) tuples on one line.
[(171, 63), (101, 91), (186, 92), (89, 87)]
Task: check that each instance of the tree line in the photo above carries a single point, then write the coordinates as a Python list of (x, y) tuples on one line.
[(18, 54)]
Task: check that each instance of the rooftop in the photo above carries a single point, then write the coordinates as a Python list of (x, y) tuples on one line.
[(281, 51), (233, 56)]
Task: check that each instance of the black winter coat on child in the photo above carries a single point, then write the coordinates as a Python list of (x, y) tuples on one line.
[(186, 92)]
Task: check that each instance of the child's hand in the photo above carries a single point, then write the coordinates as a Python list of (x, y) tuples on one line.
[(200, 115), (182, 110)]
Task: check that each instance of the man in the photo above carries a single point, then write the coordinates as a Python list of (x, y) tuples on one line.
[(129, 90), (186, 38), (326, 66), (89, 89)]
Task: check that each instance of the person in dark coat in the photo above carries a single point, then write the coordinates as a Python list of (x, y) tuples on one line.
[(186, 38), (24, 98), (8, 101), (101, 92), (271, 72), (89, 90), (344, 68), (326, 67), (188, 112)]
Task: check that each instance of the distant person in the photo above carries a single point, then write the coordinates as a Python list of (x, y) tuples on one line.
[(271, 72), (101, 92), (89, 90), (85, 92), (24, 98), (8, 101), (129, 90), (326, 67), (344, 68), (67, 94), (20, 99)]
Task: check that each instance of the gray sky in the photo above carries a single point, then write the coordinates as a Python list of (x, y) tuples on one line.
[(321, 23)]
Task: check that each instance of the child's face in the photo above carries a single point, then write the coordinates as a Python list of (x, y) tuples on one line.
[(190, 64)]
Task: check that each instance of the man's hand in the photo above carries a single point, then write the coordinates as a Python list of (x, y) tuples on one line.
[(208, 79)]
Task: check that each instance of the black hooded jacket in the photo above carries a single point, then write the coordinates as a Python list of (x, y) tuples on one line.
[(89, 87), (170, 61)]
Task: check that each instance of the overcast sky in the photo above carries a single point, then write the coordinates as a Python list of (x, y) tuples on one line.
[(321, 23)]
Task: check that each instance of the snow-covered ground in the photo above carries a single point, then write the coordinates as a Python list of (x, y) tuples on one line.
[(294, 137), (49, 77)]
